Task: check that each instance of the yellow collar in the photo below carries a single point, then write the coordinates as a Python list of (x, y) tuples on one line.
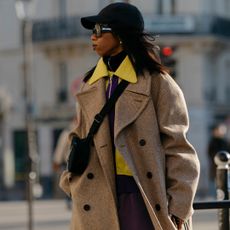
[(125, 71)]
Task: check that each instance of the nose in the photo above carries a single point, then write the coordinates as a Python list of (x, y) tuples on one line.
[(93, 37)]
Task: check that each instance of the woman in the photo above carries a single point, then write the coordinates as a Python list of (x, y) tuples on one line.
[(143, 172)]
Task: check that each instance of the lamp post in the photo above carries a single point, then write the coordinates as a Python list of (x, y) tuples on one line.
[(24, 13), (7, 170)]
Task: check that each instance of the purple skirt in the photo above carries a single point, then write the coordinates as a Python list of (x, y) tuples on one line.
[(132, 212)]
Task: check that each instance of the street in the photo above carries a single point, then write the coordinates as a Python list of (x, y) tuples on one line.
[(47, 215), (54, 215)]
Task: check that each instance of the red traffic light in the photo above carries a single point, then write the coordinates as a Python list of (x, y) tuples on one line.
[(167, 51)]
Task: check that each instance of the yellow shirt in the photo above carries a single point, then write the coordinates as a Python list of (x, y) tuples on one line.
[(126, 72)]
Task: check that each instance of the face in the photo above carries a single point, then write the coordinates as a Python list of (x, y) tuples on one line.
[(105, 43)]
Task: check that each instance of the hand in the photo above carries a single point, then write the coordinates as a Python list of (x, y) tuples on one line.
[(178, 222)]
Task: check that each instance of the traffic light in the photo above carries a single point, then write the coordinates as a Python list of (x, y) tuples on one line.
[(167, 55)]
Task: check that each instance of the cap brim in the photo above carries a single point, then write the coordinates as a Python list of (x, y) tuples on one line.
[(89, 22)]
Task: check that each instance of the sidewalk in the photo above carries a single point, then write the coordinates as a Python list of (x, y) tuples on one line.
[(205, 220), (54, 215), (47, 215)]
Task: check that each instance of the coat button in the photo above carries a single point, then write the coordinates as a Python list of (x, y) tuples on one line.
[(90, 176), (157, 207), (149, 175), (86, 207), (142, 142)]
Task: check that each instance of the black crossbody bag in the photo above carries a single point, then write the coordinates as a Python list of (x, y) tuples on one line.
[(80, 147)]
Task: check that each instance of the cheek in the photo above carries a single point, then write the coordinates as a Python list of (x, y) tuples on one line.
[(110, 49), (107, 45)]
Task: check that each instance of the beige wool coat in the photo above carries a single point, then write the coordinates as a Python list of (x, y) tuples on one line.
[(151, 122)]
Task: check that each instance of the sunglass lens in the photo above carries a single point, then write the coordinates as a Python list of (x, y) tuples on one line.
[(97, 30)]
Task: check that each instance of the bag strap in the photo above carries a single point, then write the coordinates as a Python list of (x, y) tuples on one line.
[(98, 119)]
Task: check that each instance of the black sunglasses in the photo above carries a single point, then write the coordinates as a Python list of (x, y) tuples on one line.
[(99, 29)]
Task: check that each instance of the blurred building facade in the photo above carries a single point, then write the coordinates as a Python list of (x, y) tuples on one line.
[(197, 32)]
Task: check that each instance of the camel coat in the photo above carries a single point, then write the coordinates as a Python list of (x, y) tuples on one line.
[(151, 122)]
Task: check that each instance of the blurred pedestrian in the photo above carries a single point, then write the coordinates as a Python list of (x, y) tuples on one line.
[(60, 156), (62, 148), (217, 142), (61, 151), (143, 172)]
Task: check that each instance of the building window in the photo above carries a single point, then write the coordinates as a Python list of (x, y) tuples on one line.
[(62, 5), (227, 7), (21, 153), (173, 6), (56, 134), (62, 83), (227, 89), (166, 6), (159, 7)]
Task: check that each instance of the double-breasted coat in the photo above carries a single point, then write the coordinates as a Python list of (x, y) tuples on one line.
[(151, 122)]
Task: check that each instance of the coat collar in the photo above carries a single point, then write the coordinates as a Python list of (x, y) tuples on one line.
[(125, 71)]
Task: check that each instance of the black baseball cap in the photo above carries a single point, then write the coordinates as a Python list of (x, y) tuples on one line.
[(117, 15)]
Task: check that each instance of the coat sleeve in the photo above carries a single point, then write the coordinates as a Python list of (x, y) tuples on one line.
[(181, 161)]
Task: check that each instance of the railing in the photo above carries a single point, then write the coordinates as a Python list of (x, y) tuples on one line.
[(222, 160), (57, 29), (212, 204), (70, 28)]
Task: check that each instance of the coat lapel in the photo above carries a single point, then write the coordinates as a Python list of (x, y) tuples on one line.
[(92, 99), (131, 103)]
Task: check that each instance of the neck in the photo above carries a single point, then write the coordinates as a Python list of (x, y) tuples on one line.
[(113, 62)]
